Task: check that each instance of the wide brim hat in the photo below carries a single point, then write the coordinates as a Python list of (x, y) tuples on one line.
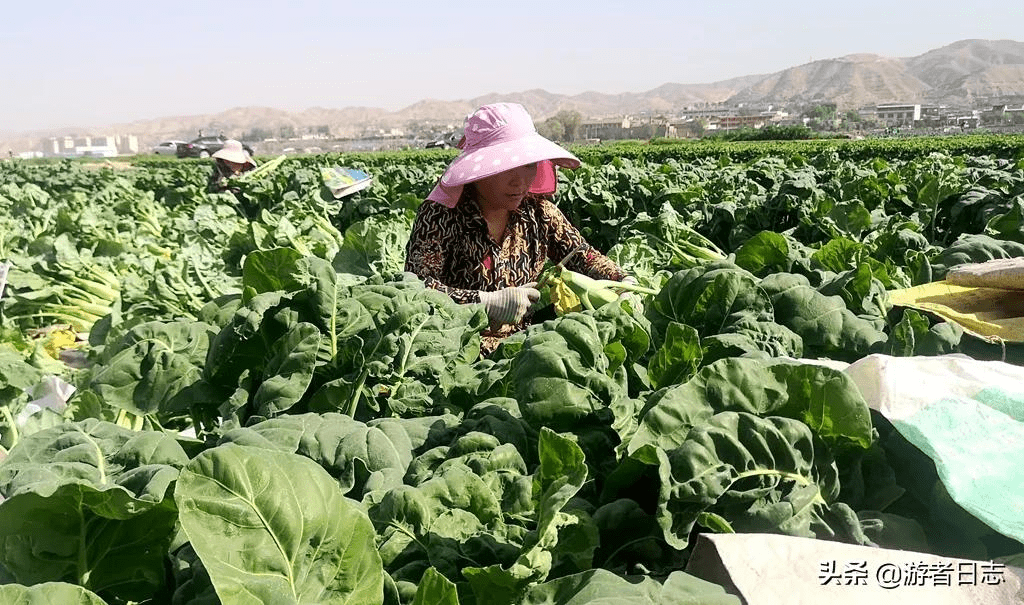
[(497, 138), (233, 151)]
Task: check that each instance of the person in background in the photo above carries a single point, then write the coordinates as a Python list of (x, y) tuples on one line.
[(230, 160), (486, 229)]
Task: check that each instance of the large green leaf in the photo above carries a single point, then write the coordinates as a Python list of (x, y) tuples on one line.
[(136, 468), (828, 328), (395, 342), (89, 503), (678, 357), (914, 335), (153, 367), (561, 373), (752, 338), (602, 587), (361, 456), (376, 245), (435, 589), (863, 293), (768, 252), (16, 373), (372, 344), (709, 298), (561, 474), (452, 517), (823, 398), (759, 474), (288, 371), (48, 593), (272, 527), (973, 248), (241, 346), (270, 270), (63, 537)]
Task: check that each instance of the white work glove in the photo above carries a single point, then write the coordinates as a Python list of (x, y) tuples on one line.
[(632, 297), (509, 305)]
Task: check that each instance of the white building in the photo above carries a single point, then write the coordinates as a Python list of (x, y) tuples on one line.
[(898, 114), (606, 128), (707, 112), (101, 146)]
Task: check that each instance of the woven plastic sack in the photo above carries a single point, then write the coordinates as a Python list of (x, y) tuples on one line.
[(967, 416), (988, 313), (1003, 273)]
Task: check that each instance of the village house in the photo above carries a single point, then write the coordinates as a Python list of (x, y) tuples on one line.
[(604, 128), (898, 114), (95, 146)]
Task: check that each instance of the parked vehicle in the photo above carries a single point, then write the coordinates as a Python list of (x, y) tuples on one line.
[(204, 147), (168, 147), (444, 142)]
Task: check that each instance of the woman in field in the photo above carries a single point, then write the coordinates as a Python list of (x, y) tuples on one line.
[(230, 160), (485, 230)]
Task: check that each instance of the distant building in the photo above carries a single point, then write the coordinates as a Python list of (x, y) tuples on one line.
[(898, 114), (1002, 115), (934, 116), (734, 122), (605, 128), (101, 146), (706, 112), (687, 128), (867, 114)]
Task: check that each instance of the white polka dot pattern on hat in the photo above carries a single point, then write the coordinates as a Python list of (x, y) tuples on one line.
[(490, 150)]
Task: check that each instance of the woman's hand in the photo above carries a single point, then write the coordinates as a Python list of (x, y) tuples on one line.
[(509, 305)]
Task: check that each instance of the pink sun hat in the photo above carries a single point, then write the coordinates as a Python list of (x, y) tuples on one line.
[(500, 137)]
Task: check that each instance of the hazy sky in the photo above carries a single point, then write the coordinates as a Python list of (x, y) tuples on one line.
[(94, 62)]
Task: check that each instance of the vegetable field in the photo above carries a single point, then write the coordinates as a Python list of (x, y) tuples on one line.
[(208, 401)]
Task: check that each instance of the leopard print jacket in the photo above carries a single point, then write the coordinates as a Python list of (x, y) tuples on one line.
[(451, 250)]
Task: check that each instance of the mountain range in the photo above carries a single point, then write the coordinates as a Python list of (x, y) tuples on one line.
[(965, 74)]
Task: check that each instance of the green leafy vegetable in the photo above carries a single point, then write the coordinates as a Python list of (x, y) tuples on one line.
[(270, 526)]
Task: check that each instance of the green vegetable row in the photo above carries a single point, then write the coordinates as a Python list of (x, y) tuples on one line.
[(267, 410)]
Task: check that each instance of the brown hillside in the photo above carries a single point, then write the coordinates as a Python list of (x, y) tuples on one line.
[(949, 67), (850, 82), (968, 72), (998, 80)]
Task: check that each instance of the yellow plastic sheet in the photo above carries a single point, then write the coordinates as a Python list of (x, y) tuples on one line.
[(989, 313)]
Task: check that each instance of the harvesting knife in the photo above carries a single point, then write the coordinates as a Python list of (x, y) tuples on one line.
[(561, 263)]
